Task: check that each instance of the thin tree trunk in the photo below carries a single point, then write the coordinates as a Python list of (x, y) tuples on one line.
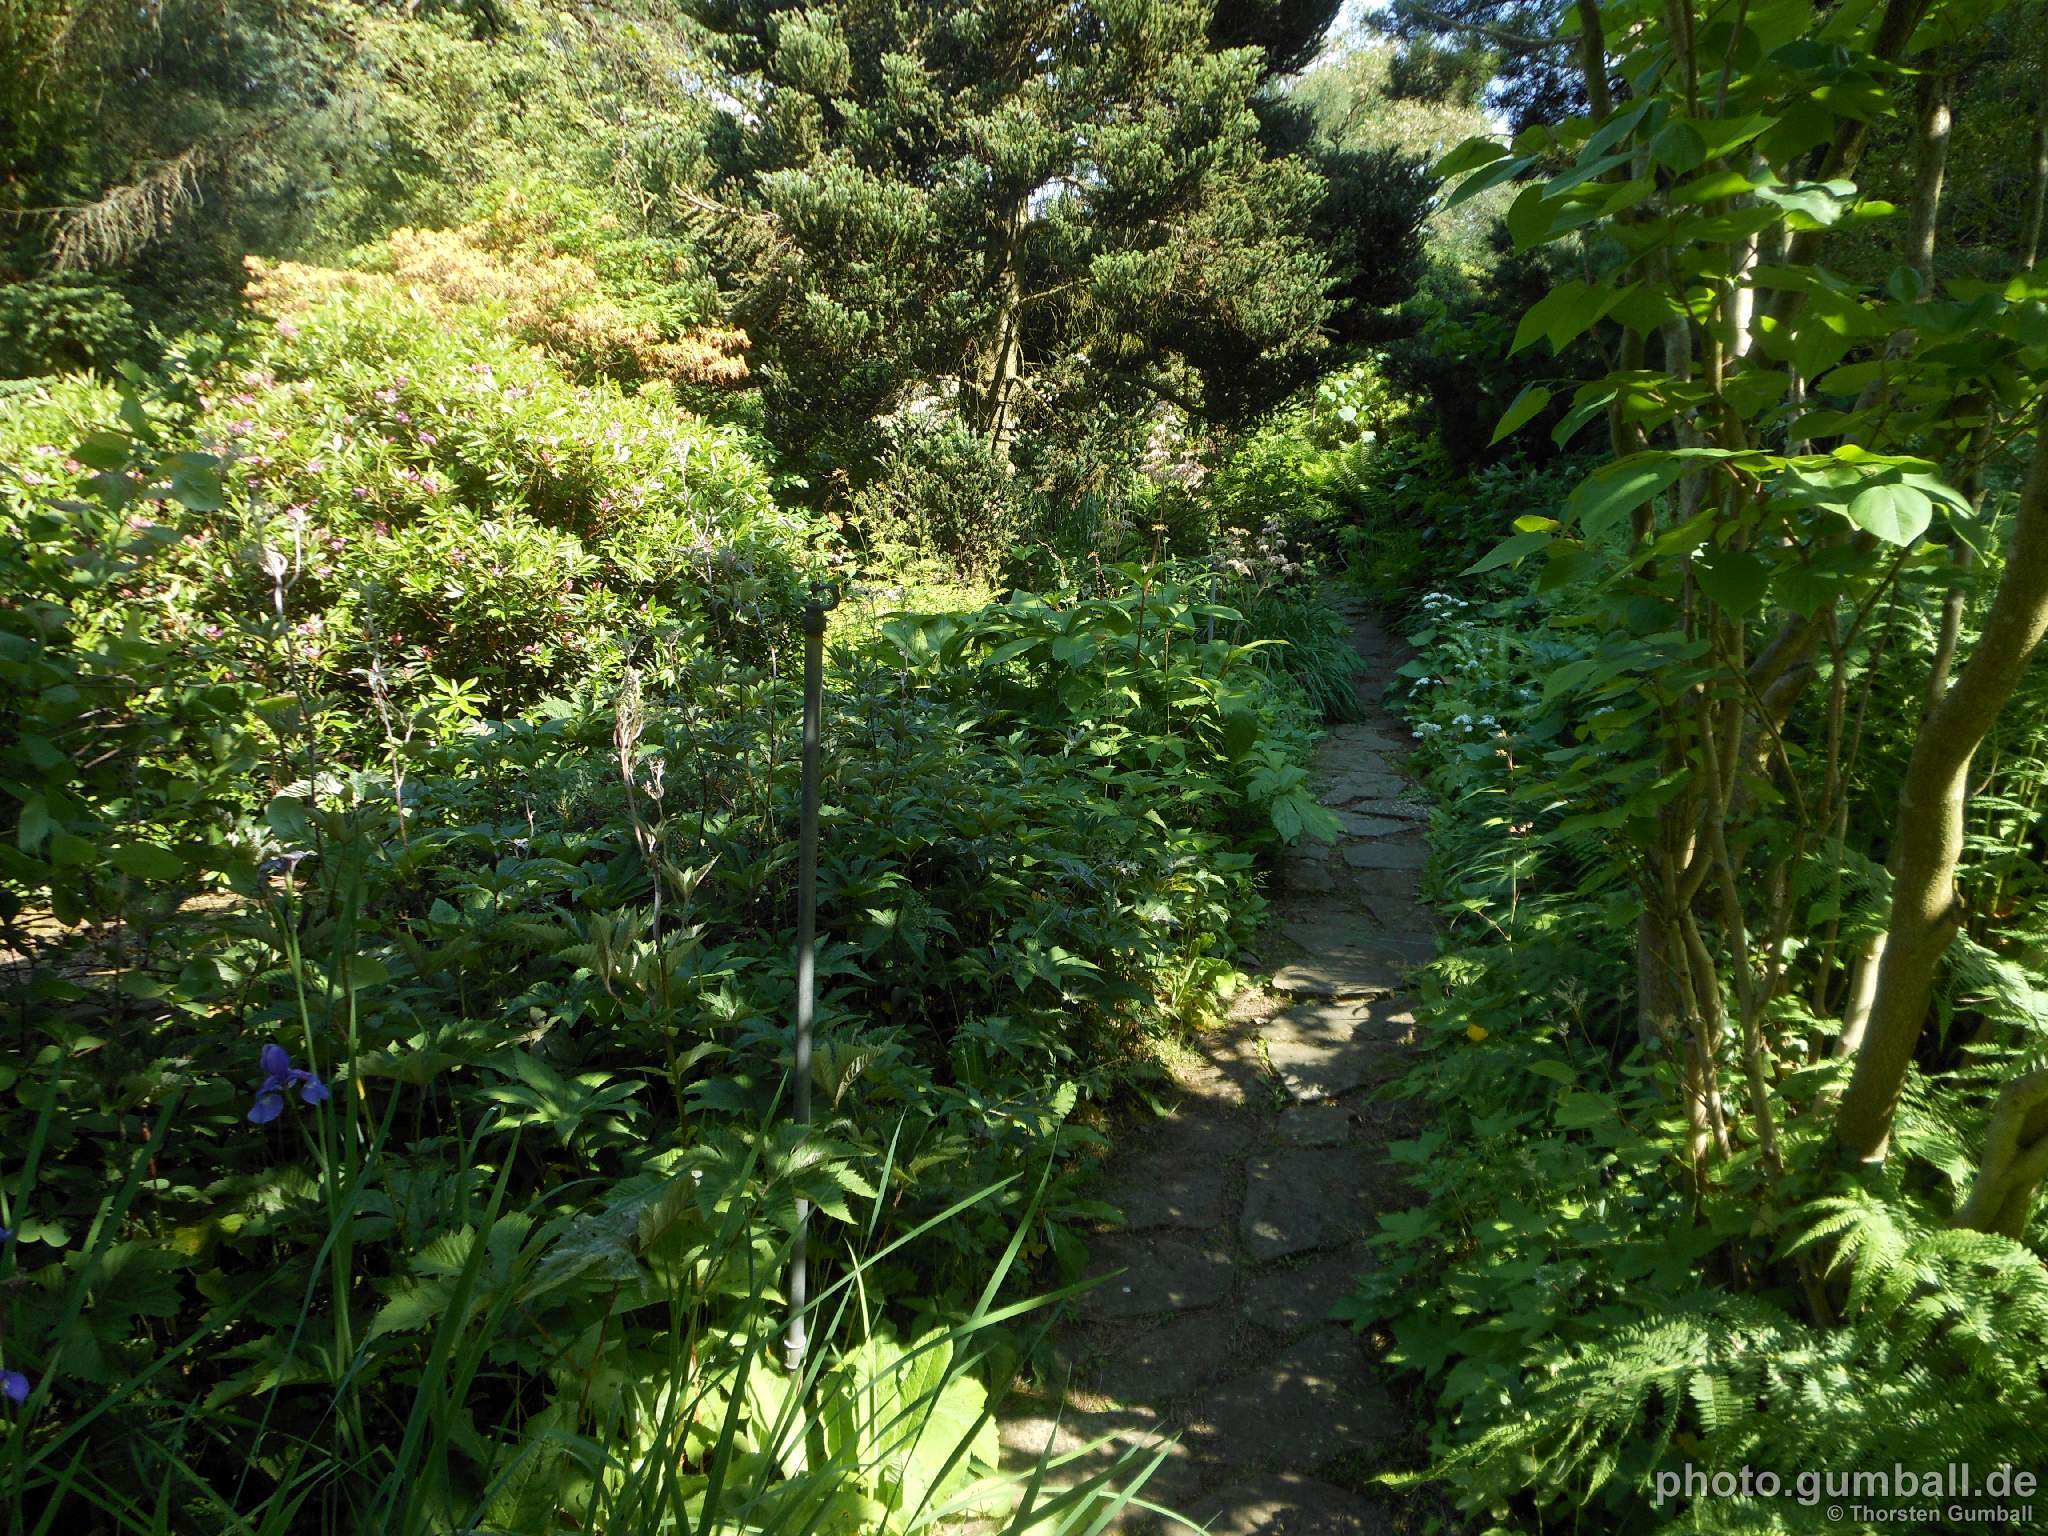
[(2037, 187), (1862, 994), (1929, 171), (1956, 599), (2015, 1160), (1928, 838), (999, 400), (1593, 58)]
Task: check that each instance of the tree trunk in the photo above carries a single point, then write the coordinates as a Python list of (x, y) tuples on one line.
[(2037, 188), (1928, 837), (2015, 1160), (1930, 170), (998, 405), (1593, 58)]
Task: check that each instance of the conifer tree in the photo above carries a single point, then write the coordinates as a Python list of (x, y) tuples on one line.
[(1036, 211)]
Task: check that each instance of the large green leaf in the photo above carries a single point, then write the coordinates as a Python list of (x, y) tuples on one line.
[(1736, 579), (1615, 490), (1895, 512), (1563, 313), (1492, 176), (146, 861), (1525, 406), (1468, 156), (1509, 550)]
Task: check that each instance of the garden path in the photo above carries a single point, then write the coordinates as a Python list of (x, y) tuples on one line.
[(1247, 1206)]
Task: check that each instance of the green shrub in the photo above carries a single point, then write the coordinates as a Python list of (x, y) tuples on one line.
[(942, 490), (1583, 1315), (480, 597), (513, 1261), (51, 325), (412, 487)]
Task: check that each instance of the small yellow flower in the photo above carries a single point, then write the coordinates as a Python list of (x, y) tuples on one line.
[(1475, 1033)]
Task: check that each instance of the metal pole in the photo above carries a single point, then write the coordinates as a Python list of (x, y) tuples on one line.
[(806, 955)]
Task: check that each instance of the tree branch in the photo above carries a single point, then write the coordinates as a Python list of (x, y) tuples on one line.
[(1522, 40)]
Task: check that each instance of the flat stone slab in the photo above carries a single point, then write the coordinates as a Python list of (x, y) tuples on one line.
[(1162, 1274), (1314, 1125), (1387, 853), (1315, 1401), (1301, 872), (1296, 1201), (1341, 754), (1151, 1367), (1030, 1437), (1397, 911), (1395, 808), (1175, 1189), (1361, 781), (1328, 1074), (1358, 824), (1288, 1300), (1329, 1026), (1199, 1131), (1326, 1050), (1410, 943), (1078, 1446), (1338, 1025), (1341, 976), (1366, 736), (1226, 1084), (1186, 1199), (1347, 955)]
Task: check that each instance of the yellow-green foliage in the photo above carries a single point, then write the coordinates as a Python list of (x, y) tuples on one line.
[(550, 299)]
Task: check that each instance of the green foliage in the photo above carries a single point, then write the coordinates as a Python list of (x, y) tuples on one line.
[(403, 490), (64, 324), (257, 126), (1303, 464), (1354, 98), (1560, 1284), (944, 491), (517, 1262), (122, 760), (1051, 216), (1509, 51)]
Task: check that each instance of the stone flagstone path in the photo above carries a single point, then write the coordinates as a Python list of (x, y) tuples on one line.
[(1246, 1208)]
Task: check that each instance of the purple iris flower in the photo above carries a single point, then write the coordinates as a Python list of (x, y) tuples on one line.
[(279, 1075), (14, 1386)]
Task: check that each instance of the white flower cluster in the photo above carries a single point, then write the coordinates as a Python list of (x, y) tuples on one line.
[(1171, 456), (1466, 725), (1442, 605), (1242, 553)]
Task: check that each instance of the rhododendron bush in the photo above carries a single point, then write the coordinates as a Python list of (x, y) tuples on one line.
[(417, 491)]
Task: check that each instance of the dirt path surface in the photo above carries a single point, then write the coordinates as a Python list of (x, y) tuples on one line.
[(1246, 1208)]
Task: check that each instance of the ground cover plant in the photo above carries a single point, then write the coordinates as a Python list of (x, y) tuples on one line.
[(422, 1034)]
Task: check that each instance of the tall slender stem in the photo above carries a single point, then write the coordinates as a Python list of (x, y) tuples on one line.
[(806, 960)]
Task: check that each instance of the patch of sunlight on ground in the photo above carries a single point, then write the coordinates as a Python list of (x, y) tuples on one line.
[(920, 588)]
